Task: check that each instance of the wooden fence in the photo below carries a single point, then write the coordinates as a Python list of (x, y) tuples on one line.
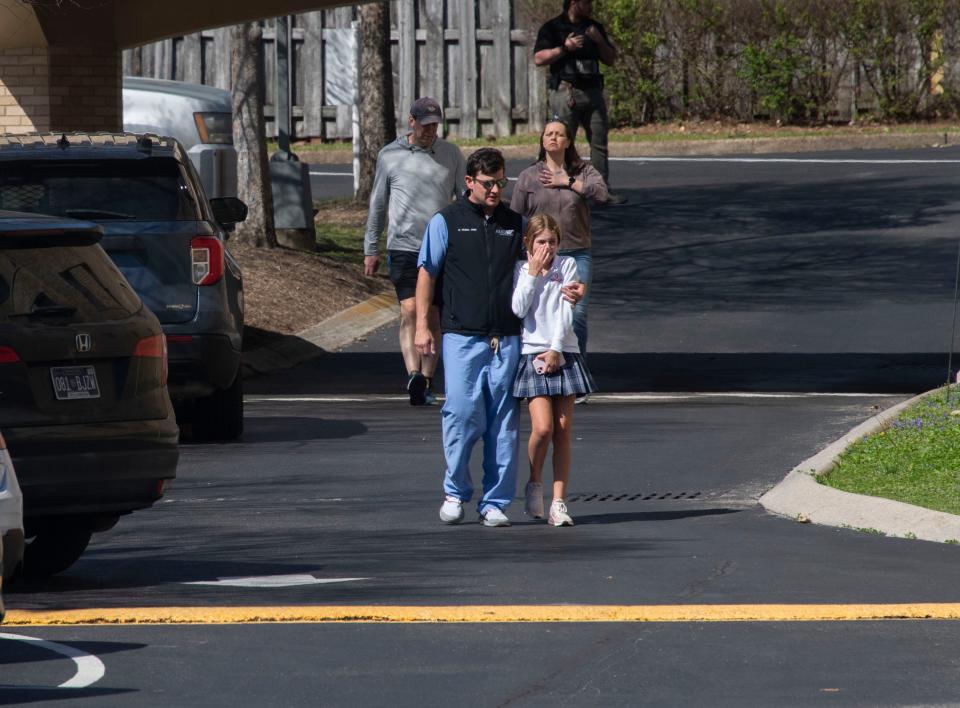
[(468, 55)]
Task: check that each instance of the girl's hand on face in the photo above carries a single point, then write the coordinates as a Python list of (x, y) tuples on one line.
[(553, 180), (537, 260)]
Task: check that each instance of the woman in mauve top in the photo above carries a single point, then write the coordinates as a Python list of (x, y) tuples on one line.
[(562, 185)]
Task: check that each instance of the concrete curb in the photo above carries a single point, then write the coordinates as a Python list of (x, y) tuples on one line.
[(801, 497), (327, 336)]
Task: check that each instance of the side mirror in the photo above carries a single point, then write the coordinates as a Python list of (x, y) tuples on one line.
[(228, 211)]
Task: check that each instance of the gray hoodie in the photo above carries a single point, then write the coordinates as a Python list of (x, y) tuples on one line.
[(411, 185)]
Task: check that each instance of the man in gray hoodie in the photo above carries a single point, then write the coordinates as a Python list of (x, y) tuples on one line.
[(417, 175)]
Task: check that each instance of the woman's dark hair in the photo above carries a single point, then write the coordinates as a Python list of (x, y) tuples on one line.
[(571, 158), (489, 161)]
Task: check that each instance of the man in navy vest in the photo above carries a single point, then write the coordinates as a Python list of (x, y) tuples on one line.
[(471, 248)]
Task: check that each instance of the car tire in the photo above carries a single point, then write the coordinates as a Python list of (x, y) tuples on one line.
[(219, 416), (54, 548)]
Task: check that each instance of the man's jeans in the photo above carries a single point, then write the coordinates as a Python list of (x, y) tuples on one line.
[(589, 109), (584, 261)]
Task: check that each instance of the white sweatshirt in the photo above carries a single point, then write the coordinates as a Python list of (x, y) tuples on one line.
[(547, 317)]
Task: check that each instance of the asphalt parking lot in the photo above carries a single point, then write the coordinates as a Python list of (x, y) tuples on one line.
[(758, 311)]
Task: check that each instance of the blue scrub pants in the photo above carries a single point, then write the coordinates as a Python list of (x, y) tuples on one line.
[(480, 405)]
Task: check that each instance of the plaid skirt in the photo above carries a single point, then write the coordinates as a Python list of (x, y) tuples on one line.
[(573, 378)]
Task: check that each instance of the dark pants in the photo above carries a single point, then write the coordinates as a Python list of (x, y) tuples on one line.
[(589, 109)]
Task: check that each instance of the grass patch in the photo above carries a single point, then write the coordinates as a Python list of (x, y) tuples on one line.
[(676, 131), (915, 460), (340, 225)]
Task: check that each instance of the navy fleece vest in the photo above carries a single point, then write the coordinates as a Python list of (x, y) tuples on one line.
[(477, 278)]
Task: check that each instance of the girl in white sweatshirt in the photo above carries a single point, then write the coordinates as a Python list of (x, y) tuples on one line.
[(552, 373)]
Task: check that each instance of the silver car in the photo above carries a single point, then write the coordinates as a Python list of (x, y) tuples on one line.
[(11, 521), (199, 117)]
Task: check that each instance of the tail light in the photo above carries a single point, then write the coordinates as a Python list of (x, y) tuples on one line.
[(8, 355), (154, 347), (206, 260)]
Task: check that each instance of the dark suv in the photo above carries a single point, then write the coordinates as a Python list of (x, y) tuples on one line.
[(83, 398), (166, 238)]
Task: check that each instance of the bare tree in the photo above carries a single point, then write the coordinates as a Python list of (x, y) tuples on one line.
[(250, 136), (377, 123)]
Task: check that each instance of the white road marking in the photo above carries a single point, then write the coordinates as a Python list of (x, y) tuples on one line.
[(813, 160), (89, 668), (273, 581), (594, 397)]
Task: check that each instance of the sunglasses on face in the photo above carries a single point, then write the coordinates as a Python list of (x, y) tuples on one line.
[(488, 184)]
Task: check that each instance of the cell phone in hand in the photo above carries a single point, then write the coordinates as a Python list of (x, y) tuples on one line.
[(540, 366)]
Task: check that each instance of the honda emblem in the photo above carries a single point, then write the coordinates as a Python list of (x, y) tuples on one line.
[(84, 342)]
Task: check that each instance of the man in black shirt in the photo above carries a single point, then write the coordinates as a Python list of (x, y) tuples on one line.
[(573, 45)]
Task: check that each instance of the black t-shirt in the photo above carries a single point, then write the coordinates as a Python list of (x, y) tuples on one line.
[(582, 67)]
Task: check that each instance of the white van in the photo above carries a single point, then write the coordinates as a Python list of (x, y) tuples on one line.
[(199, 117)]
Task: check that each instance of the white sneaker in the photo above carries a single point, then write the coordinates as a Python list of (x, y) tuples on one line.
[(533, 500), (494, 517), (451, 512), (558, 514)]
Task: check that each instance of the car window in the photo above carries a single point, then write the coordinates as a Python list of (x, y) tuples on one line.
[(76, 283), (152, 189)]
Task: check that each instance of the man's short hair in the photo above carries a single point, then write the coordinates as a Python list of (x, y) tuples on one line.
[(489, 161)]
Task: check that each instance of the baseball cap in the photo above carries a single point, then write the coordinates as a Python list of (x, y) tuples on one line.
[(426, 111)]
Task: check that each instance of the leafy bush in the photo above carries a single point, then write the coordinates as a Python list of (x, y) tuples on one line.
[(633, 83), (798, 61)]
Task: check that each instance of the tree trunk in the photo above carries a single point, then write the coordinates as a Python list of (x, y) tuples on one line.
[(250, 137), (377, 123)]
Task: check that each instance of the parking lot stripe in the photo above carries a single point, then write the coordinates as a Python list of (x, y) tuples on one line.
[(314, 614)]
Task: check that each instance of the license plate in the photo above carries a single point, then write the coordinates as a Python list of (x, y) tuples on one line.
[(74, 382)]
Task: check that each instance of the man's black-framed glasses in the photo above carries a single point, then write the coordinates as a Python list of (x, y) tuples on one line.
[(488, 184)]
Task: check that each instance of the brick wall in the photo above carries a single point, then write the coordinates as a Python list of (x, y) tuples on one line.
[(60, 88)]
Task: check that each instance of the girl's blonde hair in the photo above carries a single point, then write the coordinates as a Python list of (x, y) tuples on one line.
[(538, 223)]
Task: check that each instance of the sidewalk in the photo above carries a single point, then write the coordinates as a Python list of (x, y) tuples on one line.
[(800, 497)]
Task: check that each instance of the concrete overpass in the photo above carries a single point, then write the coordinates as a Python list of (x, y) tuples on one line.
[(60, 59)]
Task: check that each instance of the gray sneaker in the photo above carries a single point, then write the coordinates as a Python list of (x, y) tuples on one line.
[(494, 517), (533, 499), (451, 512)]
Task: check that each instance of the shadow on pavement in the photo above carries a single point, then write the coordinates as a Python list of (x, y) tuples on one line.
[(271, 429), (18, 695), (632, 516), (375, 373), (841, 372), (747, 244)]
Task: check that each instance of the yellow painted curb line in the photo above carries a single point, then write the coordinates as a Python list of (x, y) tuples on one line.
[(484, 613)]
